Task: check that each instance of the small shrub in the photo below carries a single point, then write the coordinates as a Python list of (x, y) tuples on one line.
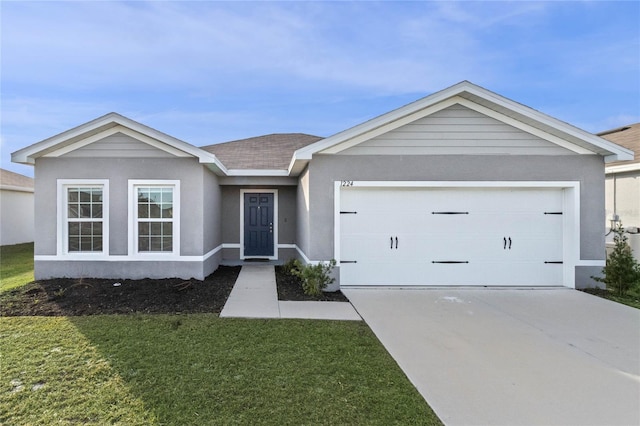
[(290, 266), (315, 278), (622, 272)]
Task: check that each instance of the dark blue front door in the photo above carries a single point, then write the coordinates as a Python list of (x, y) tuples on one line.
[(258, 224)]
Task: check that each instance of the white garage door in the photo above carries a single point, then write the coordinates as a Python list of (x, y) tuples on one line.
[(442, 237)]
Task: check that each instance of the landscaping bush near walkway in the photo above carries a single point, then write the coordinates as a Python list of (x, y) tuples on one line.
[(313, 278)]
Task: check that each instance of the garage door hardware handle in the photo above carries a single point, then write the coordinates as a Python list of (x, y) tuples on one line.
[(348, 261), (557, 262), (348, 212), (449, 212), (449, 261), (552, 212), (392, 243), (504, 247)]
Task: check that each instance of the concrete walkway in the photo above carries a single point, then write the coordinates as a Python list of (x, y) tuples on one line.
[(255, 295)]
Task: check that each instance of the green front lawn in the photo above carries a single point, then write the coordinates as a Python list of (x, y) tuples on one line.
[(16, 265), (200, 369)]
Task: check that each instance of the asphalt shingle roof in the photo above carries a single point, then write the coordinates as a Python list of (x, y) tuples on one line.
[(15, 180), (269, 152), (628, 137)]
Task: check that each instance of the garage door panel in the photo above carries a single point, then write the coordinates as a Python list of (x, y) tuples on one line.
[(376, 273), (445, 236), (371, 246), (529, 273)]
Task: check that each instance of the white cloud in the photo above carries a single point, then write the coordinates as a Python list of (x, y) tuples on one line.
[(407, 48), (213, 70)]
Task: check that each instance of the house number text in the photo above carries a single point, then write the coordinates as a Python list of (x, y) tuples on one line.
[(347, 183)]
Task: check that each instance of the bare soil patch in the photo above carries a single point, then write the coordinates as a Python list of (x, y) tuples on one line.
[(91, 296), (290, 289)]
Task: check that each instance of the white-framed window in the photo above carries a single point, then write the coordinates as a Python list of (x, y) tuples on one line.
[(83, 216), (154, 211)]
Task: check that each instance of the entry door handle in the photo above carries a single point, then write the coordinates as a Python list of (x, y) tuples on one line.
[(509, 243), (396, 243)]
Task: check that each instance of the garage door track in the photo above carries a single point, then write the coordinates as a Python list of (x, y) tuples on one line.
[(509, 357)]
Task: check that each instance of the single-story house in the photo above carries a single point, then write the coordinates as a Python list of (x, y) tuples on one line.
[(622, 188), (16, 208), (462, 187)]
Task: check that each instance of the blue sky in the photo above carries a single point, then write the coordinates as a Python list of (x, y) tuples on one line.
[(208, 72)]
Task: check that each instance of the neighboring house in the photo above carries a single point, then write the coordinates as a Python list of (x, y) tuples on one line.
[(462, 187), (16, 208), (623, 185)]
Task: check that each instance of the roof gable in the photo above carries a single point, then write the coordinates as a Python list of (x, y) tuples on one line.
[(480, 100), (456, 130), (105, 127)]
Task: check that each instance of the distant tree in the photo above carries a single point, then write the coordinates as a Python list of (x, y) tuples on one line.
[(622, 271)]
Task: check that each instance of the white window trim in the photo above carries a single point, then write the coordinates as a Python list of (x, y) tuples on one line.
[(133, 228), (62, 239)]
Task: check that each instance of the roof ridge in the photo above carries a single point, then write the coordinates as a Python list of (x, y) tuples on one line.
[(262, 137)]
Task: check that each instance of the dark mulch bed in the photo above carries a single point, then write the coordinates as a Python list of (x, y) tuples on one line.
[(91, 296), (70, 297), (289, 288)]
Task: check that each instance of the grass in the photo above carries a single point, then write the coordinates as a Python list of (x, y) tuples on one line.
[(16, 265), (200, 369), (632, 298)]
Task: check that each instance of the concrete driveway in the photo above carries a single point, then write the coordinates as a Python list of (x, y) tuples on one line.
[(511, 357)]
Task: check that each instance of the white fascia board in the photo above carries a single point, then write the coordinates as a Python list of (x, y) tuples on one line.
[(382, 120), (627, 155), (391, 125), (296, 165), (16, 188), (524, 127), (373, 124), (113, 130), (429, 105), (104, 126), (616, 151), (622, 168), (457, 100), (202, 155), (29, 154)]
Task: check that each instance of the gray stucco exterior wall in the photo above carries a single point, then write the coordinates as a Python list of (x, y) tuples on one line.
[(118, 171), (211, 220), (303, 230), (324, 170)]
